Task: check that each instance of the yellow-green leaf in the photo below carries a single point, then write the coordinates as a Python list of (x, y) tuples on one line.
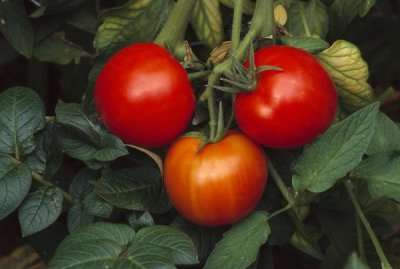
[(350, 73), (136, 21), (247, 5), (207, 22)]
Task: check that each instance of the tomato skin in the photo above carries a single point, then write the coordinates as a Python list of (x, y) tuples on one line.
[(288, 108), (144, 96), (218, 185)]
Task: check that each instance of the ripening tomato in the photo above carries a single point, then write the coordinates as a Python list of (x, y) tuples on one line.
[(218, 185), (291, 107), (144, 96)]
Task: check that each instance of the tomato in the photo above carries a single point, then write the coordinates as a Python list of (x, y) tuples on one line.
[(144, 96), (218, 185), (291, 107)]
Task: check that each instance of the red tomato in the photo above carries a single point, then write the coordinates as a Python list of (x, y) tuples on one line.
[(288, 108), (218, 185), (144, 96)]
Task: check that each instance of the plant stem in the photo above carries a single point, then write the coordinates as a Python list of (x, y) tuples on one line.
[(367, 226), (42, 181), (236, 25), (281, 184), (280, 211), (301, 228), (199, 74), (173, 33), (258, 25), (360, 239)]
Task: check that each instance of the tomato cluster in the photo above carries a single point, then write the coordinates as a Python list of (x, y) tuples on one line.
[(144, 96)]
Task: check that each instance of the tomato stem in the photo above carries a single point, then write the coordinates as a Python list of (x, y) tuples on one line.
[(236, 25), (378, 248), (301, 228), (173, 33), (360, 239), (260, 25), (199, 74)]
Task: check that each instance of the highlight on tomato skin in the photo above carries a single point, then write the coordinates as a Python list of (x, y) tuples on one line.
[(290, 107), (144, 96), (218, 185)]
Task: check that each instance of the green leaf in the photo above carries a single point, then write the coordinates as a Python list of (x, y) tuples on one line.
[(310, 44), (16, 27), (137, 223), (85, 18), (176, 242), (342, 12), (247, 5), (301, 243), (47, 157), (81, 184), (55, 6), (97, 206), (354, 262), (250, 234), (349, 71), (15, 181), (58, 49), (136, 21), (78, 217), (335, 153), (135, 189), (207, 22), (106, 245), (22, 114), (382, 172), (308, 19), (386, 136), (82, 137), (40, 209)]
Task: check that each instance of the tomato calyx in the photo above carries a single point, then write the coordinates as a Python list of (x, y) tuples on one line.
[(243, 79)]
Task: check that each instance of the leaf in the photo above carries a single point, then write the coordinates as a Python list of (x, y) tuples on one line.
[(382, 172), (22, 114), (301, 243), (47, 157), (85, 18), (82, 138), (78, 217), (40, 209), (15, 181), (349, 71), (335, 153), (342, 12), (136, 21), (386, 136), (247, 5), (176, 242), (81, 184), (204, 238), (308, 19), (16, 27), (250, 234), (97, 206), (135, 189), (145, 220), (157, 159), (207, 22), (354, 262), (58, 49), (310, 44), (109, 245)]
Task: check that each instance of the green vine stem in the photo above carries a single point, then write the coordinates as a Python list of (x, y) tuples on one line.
[(360, 239), (378, 248), (39, 178), (173, 33), (237, 24), (301, 228), (261, 23)]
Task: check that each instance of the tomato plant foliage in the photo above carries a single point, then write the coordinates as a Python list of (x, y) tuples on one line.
[(200, 133)]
